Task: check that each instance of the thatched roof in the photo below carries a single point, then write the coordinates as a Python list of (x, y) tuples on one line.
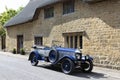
[(27, 14)]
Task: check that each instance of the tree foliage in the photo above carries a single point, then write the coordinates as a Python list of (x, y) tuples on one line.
[(2, 31), (8, 14), (20, 9), (5, 16)]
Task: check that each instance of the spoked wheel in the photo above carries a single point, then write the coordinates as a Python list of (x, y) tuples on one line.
[(87, 66), (67, 66), (34, 60), (53, 56)]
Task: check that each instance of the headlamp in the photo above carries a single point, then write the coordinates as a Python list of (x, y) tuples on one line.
[(78, 56)]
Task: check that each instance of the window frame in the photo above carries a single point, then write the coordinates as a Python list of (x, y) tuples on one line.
[(48, 12), (73, 39), (38, 38), (68, 7)]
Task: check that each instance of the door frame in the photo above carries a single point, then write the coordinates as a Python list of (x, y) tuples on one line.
[(3, 42), (20, 41)]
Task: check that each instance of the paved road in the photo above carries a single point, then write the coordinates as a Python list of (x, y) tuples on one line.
[(15, 68)]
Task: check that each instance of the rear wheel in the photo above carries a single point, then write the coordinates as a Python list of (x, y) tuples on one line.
[(67, 66), (87, 66), (34, 60)]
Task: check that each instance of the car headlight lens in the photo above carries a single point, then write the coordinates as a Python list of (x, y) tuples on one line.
[(83, 57), (78, 56)]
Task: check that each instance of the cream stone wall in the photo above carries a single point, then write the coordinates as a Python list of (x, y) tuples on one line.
[(23, 29), (99, 21)]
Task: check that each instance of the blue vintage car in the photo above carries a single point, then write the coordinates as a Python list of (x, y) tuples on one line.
[(68, 58)]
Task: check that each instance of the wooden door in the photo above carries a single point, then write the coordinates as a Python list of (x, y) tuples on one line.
[(3, 43), (19, 43)]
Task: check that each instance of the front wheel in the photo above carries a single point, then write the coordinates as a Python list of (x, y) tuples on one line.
[(34, 60), (87, 66), (67, 66)]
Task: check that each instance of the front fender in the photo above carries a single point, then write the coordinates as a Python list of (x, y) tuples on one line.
[(69, 57), (61, 59), (90, 58), (36, 54), (87, 57)]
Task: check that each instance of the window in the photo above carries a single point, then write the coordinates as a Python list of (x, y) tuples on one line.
[(68, 7), (76, 40), (73, 40), (80, 42), (49, 12), (38, 41)]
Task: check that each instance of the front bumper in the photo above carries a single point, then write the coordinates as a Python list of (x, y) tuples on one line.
[(83, 59)]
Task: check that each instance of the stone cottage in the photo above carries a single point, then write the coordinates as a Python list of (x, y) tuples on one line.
[(91, 25)]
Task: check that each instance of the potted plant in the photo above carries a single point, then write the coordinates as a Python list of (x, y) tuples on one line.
[(14, 51), (22, 51)]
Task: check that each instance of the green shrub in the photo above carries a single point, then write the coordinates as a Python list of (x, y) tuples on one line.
[(14, 51), (22, 51)]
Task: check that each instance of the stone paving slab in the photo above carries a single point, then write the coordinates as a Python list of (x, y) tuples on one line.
[(14, 55)]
